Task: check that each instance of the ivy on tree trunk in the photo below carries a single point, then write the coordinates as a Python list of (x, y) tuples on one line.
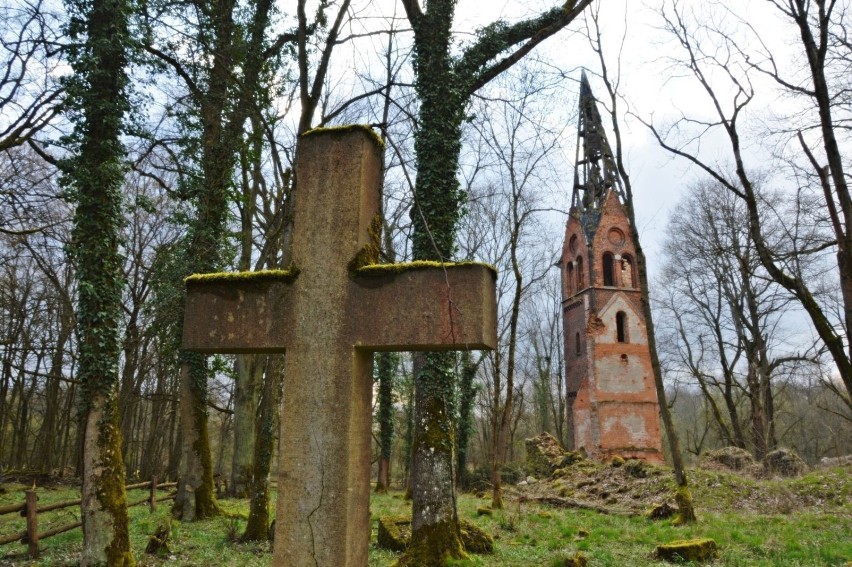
[(444, 84), (257, 527), (93, 178)]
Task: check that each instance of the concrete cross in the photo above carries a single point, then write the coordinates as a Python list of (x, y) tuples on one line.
[(330, 314)]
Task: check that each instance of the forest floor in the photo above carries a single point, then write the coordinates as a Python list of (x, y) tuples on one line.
[(594, 509)]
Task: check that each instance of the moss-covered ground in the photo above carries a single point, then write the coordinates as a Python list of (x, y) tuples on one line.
[(774, 529)]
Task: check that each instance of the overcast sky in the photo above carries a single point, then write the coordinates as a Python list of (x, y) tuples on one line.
[(652, 89)]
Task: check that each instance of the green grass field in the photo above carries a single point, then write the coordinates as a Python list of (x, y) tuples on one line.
[(526, 534)]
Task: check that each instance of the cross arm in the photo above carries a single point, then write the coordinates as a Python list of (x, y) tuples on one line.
[(424, 307), (244, 312)]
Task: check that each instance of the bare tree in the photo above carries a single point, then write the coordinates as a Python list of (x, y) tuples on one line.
[(546, 335), (727, 313), (518, 146), (444, 83), (686, 510), (30, 53), (724, 71)]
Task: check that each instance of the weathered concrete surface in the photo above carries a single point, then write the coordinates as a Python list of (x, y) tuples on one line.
[(329, 320), (237, 317), (444, 308)]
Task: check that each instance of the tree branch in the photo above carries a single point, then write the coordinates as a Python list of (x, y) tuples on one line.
[(413, 11), (178, 68), (499, 36)]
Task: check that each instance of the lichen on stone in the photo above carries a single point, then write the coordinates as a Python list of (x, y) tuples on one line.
[(661, 511), (285, 276), (545, 455), (368, 255), (348, 128), (727, 458), (637, 468), (159, 543), (784, 462), (474, 539), (682, 551), (576, 560), (394, 532)]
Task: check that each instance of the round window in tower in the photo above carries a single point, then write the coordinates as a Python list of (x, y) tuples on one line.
[(615, 237)]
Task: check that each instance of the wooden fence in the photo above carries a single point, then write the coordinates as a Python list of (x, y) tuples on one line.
[(30, 509)]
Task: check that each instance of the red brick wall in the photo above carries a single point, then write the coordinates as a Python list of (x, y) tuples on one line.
[(611, 389)]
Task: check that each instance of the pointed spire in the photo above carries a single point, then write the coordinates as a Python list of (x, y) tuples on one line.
[(595, 172)]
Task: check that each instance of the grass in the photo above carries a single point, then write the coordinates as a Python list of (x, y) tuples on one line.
[(526, 534)]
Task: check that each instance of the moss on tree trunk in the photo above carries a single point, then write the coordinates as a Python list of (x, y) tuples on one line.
[(93, 178), (435, 532), (106, 539), (437, 544), (257, 528), (196, 497)]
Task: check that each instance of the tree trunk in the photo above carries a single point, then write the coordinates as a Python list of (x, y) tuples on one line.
[(444, 84), (501, 442), (734, 414), (257, 528), (249, 374), (408, 440), (758, 417), (94, 177), (385, 370), (47, 445), (156, 445), (196, 499), (106, 539), (435, 531), (467, 397), (683, 497), (434, 517)]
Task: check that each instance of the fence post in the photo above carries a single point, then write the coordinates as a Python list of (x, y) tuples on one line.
[(32, 523), (153, 501)]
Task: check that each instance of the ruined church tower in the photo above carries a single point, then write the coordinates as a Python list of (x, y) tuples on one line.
[(611, 394)]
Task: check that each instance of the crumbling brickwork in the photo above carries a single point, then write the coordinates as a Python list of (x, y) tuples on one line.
[(610, 383)]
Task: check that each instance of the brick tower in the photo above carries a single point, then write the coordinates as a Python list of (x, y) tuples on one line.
[(612, 399)]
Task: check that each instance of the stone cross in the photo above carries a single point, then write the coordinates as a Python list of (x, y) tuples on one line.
[(329, 314)]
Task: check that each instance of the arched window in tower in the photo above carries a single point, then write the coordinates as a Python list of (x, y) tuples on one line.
[(628, 274), (621, 327), (578, 345), (608, 269), (570, 288), (581, 277)]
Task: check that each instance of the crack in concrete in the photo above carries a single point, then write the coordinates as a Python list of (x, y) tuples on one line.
[(319, 504)]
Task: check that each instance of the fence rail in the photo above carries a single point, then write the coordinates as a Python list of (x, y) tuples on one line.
[(30, 509)]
